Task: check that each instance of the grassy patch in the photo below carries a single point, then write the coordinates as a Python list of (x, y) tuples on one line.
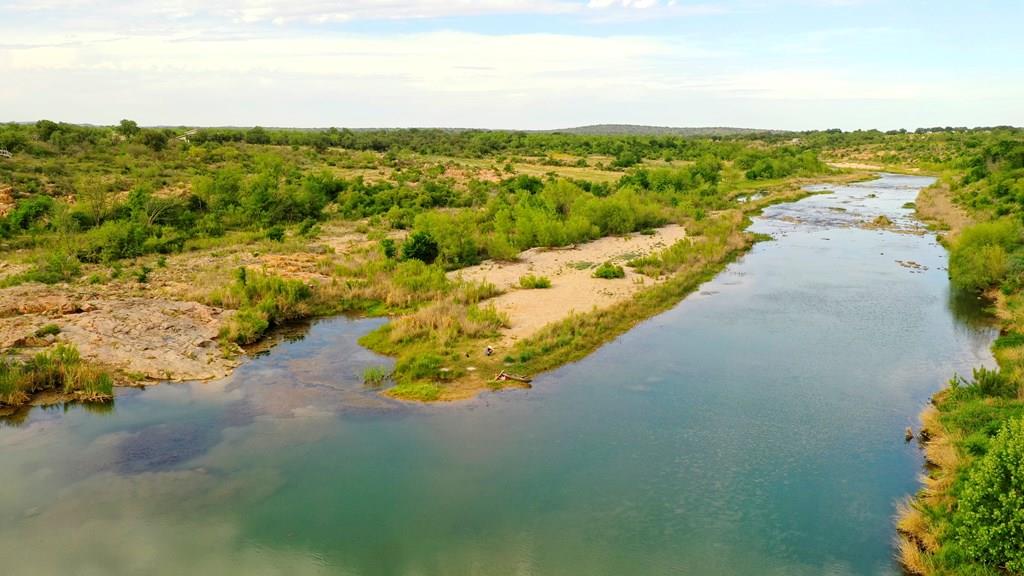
[(59, 369), (375, 376), (261, 301), (48, 330), (529, 281)]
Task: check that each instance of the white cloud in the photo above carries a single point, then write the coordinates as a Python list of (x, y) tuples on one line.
[(322, 11)]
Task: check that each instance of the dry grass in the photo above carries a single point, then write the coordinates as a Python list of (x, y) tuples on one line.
[(913, 559), (912, 522), (447, 322), (935, 206)]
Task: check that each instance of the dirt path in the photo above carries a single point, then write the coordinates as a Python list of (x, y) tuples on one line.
[(573, 287)]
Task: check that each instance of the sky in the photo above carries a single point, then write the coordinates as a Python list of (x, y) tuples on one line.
[(515, 64)]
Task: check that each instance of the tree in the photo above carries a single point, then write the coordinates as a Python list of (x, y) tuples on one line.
[(128, 128)]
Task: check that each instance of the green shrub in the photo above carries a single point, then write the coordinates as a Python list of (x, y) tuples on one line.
[(387, 245), (275, 233), (420, 246), (989, 517), (530, 281), (979, 258), (609, 271), (984, 383), (142, 275)]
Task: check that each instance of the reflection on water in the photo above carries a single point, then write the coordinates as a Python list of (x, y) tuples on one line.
[(754, 429)]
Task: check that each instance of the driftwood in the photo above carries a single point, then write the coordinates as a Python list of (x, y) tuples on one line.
[(505, 377)]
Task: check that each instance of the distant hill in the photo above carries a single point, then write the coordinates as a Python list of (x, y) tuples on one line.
[(638, 130)]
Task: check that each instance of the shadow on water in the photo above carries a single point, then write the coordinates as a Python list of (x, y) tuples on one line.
[(971, 310), (19, 416)]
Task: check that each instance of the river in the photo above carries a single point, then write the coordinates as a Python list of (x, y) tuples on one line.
[(756, 428)]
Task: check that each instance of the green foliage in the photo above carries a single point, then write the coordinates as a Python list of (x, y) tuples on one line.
[(128, 128), (275, 233), (262, 301), (984, 383), (419, 367), (609, 271), (989, 518), (58, 266), (375, 376), (530, 281), (417, 391), (156, 140), (387, 245), (60, 368), (420, 246), (981, 256)]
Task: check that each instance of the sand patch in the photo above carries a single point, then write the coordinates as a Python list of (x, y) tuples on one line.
[(573, 287)]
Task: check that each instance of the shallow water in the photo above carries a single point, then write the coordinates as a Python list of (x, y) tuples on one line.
[(757, 428)]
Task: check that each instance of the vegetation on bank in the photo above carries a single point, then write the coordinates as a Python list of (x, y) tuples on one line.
[(969, 517), (60, 369)]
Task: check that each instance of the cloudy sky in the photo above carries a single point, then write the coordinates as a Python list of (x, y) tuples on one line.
[(795, 64)]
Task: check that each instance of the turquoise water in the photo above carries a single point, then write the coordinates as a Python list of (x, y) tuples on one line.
[(757, 428)]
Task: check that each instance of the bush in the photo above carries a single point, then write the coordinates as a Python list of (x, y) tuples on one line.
[(420, 246), (262, 301), (387, 245), (530, 281), (609, 271), (980, 257), (275, 233), (989, 519)]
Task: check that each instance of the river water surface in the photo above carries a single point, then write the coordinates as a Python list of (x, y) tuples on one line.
[(756, 428)]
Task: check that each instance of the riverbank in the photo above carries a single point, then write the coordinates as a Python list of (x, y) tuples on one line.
[(966, 517)]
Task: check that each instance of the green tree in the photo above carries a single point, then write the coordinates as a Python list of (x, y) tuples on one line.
[(128, 128)]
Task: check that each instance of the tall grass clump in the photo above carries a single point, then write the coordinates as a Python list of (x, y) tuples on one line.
[(530, 282), (375, 376), (58, 369), (261, 301)]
